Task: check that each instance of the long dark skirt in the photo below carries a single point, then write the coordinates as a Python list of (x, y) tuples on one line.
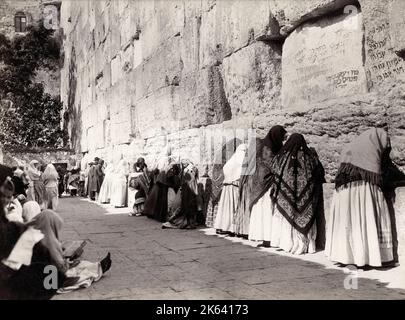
[(184, 209), (156, 203)]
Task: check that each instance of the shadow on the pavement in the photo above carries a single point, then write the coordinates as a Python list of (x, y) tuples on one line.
[(152, 263)]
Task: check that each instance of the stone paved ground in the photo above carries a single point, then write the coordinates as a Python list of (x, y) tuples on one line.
[(151, 263)]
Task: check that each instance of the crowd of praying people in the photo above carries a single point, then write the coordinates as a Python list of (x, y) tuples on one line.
[(269, 191), (280, 202)]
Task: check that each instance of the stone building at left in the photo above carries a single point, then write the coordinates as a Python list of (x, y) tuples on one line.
[(16, 16)]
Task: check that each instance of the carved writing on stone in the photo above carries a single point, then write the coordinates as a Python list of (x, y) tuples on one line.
[(323, 60)]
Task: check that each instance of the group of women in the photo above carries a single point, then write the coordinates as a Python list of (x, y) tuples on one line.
[(28, 249), (113, 188), (272, 193), (37, 183), (168, 193)]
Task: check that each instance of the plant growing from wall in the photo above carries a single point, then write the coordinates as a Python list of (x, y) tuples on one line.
[(29, 117)]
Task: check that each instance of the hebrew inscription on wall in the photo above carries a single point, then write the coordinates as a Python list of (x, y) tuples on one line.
[(323, 60)]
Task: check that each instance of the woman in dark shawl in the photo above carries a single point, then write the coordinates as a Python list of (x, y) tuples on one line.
[(359, 227), (140, 182), (252, 183), (156, 205), (184, 208), (296, 179)]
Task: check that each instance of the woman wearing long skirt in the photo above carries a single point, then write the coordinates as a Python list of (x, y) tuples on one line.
[(119, 185), (139, 185), (296, 180), (50, 177), (255, 191), (224, 220), (186, 204), (359, 228), (105, 190), (156, 205), (36, 189)]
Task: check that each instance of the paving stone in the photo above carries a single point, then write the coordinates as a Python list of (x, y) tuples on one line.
[(151, 263)]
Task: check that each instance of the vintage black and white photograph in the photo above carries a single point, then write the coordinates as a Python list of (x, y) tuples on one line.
[(209, 150)]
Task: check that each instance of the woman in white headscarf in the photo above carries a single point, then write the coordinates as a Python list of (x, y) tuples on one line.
[(77, 276), (50, 178), (105, 190), (224, 220), (36, 190), (119, 185)]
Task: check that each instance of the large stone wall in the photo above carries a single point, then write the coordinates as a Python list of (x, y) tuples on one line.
[(139, 74)]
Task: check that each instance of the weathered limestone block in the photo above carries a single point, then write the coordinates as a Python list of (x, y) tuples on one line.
[(382, 63), (114, 33), (397, 14), (252, 78), (243, 21), (154, 114), (116, 69), (167, 22), (137, 50), (127, 58), (323, 60), (210, 51), (121, 126), (203, 98), (291, 13), (163, 69), (119, 96), (190, 37)]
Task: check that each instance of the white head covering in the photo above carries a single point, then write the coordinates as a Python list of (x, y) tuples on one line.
[(33, 172), (50, 173), (30, 210), (233, 168)]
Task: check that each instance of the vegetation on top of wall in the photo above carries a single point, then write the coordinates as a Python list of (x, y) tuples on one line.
[(29, 117)]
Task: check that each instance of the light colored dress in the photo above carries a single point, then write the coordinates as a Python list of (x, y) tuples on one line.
[(119, 186), (105, 190), (359, 228), (260, 226), (286, 237), (224, 220)]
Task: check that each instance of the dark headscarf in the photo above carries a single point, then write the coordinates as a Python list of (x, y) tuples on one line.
[(274, 139), (295, 173)]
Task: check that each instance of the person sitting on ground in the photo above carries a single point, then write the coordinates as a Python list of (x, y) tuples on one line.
[(11, 205), (19, 186), (79, 274)]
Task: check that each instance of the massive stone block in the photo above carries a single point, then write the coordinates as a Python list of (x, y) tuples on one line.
[(166, 22), (155, 114), (252, 78), (203, 99), (290, 13), (382, 63), (163, 69), (397, 14), (323, 60)]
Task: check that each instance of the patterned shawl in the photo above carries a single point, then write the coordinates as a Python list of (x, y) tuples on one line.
[(295, 171)]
